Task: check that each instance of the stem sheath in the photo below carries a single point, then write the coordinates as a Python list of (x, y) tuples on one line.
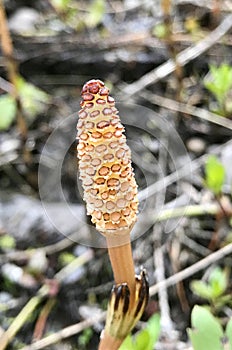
[(109, 343)]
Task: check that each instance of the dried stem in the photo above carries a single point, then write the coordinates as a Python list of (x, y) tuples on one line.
[(186, 109), (42, 319), (191, 270), (65, 333), (12, 69), (22, 317)]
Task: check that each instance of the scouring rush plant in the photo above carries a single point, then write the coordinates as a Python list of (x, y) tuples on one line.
[(110, 193)]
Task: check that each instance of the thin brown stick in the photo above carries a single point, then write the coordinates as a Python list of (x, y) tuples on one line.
[(6, 42), (42, 319), (12, 69)]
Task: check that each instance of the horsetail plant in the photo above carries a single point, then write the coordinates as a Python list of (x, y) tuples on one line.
[(110, 193)]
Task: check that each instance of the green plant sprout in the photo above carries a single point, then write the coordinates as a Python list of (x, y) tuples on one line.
[(214, 289), (33, 102), (66, 258), (207, 333), (96, 13), (60, 5), (84, 338), (220, 85), (77, 17), (146, 338), (214, 174), (7, 242), (160, 31)]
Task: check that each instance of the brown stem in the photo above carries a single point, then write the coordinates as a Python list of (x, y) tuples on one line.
[(120, 253), (122, 262), (12, 69), (41, 322), (109, 343)]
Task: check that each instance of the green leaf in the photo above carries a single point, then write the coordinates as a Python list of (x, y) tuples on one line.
[(202, 289), (8, 111), (85, 337), (218, 281), (142, 340), (33, 99), (229, 332), (215, 287), (214, 174), (206, 332), (160, 30), (220, 82), (146, 338), (127, 344), (60, 5), (7, 242), (153, 327), (96, 13)]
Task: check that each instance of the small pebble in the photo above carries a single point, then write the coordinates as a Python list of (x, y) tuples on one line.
[(196, 145), (23, 21)]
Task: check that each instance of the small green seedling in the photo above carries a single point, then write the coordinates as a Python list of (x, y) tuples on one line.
[(60, 5), (33, 101), (214, 174), (214, 289), (8, 111), (7, 242), (229, 332), (66, 258), (85, 337), (206, 331), (146, 338), (72, 17), (160, 31), (220, 85), (96, 13)]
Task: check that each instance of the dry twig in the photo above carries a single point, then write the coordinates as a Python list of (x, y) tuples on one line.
[(181, 59), (191, 270), (167, 326), (187, 109), (65, 333), (178, 174), (43, 292)]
